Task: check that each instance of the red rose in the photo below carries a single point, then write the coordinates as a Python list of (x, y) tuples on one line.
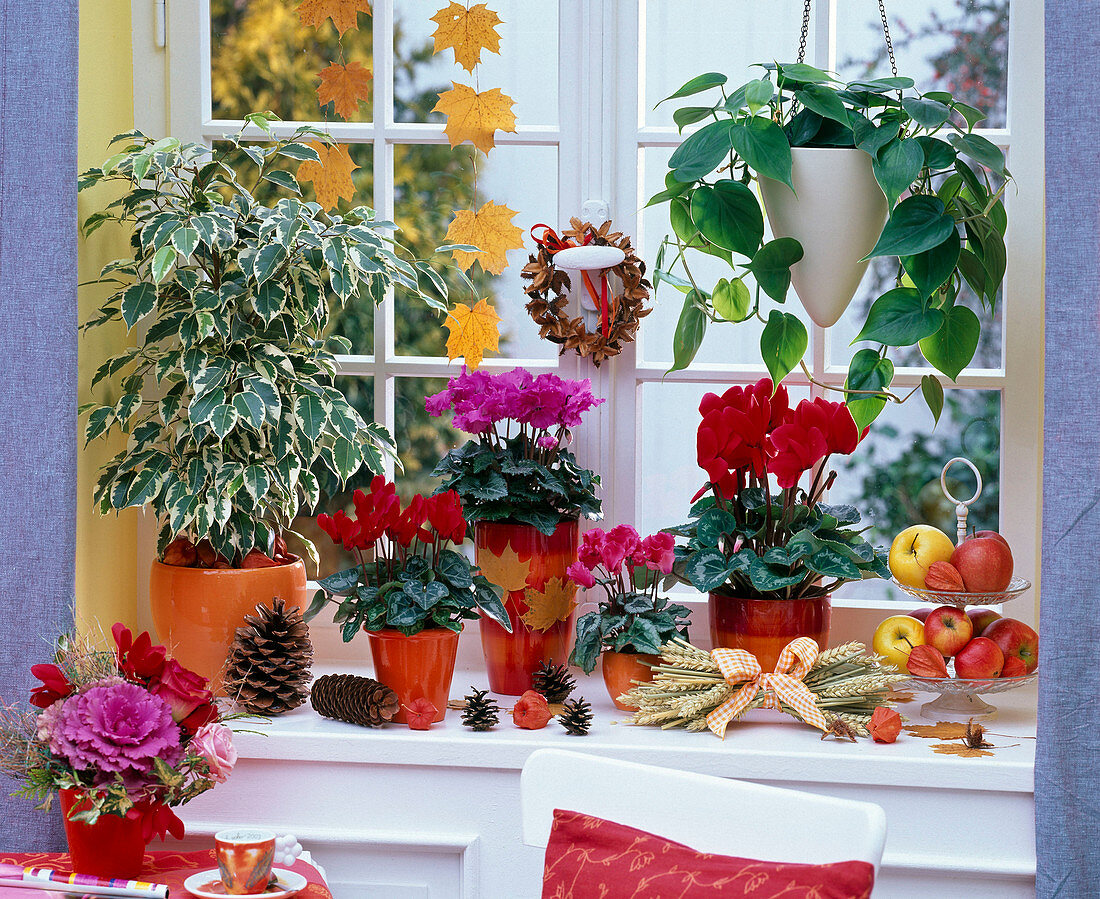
[(55, 686), (204, 714), (181, 688)]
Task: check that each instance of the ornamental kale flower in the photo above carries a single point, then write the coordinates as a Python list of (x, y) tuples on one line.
[(112, 727)]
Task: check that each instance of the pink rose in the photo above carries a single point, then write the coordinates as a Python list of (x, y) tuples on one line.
[(214, 742), (578, 574), (182, 689)]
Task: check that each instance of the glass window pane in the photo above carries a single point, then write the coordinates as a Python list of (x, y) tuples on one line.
[(724, 343), (893, 478), (421, 440), (263, 57), (525, 69), (960, 46), (360, 393), (685, 38), (432, 181)]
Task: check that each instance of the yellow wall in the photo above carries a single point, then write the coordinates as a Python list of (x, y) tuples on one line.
[(106, 547)]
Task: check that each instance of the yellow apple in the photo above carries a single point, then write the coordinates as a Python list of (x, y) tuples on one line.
[(915, 549), (895, 637)]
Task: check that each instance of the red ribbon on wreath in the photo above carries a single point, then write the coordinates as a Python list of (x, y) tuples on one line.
[(552, 243)]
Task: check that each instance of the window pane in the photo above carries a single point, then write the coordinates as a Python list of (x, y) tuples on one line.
[(684, 38), (421, 440), (960, 46), (433, 181), (526, 68), (360, 393), (893, 478), (263, 57), (724, 342)]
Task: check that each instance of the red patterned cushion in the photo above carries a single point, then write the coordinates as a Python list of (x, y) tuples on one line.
[(590, 858)]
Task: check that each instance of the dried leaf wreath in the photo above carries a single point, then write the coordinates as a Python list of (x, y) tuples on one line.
[(549, 284)]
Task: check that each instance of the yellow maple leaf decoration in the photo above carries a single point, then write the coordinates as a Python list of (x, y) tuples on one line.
[(472, 332), (508, 571), (344, 13), (475, 117), (331, 176), (467, 32), (491, 229), (961, 750), (344, 87), (553, 604)]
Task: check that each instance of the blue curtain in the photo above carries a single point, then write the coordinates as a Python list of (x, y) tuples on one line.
[(1067, 792), (38, 94)]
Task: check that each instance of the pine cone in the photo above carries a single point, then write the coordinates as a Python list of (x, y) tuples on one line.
[(554, 682), (576, 717), (267, 670), (357, 700), (481, 711)]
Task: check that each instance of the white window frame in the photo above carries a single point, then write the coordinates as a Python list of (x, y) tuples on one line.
[(600, 136)]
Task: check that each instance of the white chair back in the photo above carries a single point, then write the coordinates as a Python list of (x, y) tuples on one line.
[(709, 814)]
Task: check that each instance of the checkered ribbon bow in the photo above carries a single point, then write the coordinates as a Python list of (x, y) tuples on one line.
[(782, 685)]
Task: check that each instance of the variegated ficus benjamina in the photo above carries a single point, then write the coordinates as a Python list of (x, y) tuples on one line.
[(226, 395), (943, 186)]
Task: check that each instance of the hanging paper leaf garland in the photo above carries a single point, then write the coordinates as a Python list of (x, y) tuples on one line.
[(467, 32), (476, 117), (344, 86), (331, 176), (344, 13), (491, 229), (472, 332)]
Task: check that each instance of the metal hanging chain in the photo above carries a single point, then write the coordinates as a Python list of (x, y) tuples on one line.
[(803, 36)]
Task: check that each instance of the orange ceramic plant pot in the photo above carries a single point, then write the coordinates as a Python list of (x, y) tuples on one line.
[(541, 600), (765, 626), (622, 669), (112, 847), (416, 667), (197, 611)]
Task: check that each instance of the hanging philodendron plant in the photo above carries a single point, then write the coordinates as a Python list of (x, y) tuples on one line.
[(825, 155)]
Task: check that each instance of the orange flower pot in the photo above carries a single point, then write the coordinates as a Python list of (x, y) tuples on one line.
[(530, 567), (197, 611), (622, 669), (765, 626), (416, 667), (112, 847)]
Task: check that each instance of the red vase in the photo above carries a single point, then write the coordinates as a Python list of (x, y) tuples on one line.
[(621, 672), (765, 626), (416, 667), (530, 567), (112, 847)]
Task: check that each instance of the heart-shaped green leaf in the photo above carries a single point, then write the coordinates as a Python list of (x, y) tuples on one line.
[(900, 317), (917, 223), (952, 347)]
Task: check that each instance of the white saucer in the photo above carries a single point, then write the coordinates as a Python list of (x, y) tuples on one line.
[(288, 884)]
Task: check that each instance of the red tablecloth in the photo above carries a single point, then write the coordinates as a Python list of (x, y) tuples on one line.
[(172, 868)]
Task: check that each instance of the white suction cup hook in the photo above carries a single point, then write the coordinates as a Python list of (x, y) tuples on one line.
[(962, 506)]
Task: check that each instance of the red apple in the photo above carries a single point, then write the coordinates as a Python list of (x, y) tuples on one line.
[(981, 658), (1013, 667), (981, 619), (922, 613), (985, 564), (992, 534), (948, 629), (1016, 639)]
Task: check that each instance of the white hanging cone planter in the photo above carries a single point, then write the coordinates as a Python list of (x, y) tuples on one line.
[(837, 216)]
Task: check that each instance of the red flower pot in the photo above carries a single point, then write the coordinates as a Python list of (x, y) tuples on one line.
[(112, 847), (416, 667), (765, 626), (622, 669), (530, 567)]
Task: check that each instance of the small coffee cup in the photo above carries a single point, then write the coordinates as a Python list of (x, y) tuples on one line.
[(245, 856)]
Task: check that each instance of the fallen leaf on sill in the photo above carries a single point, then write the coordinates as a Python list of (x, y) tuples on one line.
[(467, 32), (553, 604), (959, 749), (899, 696), (943, 730), (456, 704)]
